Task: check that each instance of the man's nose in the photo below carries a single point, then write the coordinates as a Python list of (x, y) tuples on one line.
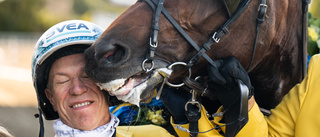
[(78, 87)]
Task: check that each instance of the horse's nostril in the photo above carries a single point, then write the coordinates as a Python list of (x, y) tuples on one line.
[(114, 56), (109, 54)]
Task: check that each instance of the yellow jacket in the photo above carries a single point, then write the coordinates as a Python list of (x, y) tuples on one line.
[(298, 113)]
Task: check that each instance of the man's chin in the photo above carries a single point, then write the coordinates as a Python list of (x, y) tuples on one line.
[(87, 119)]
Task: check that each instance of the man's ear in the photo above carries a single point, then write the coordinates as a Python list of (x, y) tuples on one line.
[(50, 98)]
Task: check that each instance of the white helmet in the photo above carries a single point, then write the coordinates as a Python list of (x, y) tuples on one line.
[(65, 38)]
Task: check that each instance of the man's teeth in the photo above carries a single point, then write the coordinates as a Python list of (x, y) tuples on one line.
[(81, 104)]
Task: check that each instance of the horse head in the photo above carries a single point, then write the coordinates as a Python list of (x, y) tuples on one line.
[(115, 60)]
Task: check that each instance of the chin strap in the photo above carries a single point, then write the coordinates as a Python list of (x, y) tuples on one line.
[(41, 132)]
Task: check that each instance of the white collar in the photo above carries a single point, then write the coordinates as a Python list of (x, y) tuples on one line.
[(107, 130)]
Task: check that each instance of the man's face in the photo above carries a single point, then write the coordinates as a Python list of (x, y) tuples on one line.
[(77, 99)]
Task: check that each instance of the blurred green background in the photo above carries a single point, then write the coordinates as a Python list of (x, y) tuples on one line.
[(39, 15), (22, 22)]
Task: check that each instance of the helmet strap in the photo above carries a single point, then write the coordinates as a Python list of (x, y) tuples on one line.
[(41, 132)]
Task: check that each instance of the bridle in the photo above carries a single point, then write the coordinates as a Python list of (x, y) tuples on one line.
[(201, 51), (234, 12)]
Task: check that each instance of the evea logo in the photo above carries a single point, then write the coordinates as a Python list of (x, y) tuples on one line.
[(71, 26)]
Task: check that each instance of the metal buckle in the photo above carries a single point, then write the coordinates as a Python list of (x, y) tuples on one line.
[(262, 5), (153, 45), (193, 101), (147, 69), (214, 38)]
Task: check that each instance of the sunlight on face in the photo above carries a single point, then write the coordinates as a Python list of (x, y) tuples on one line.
[(77, 99)]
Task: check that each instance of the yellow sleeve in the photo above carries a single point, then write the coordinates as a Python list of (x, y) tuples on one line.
[(283, 118), (256, 126), (298, 112)]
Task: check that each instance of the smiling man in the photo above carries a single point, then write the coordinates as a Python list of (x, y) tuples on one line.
[(64, 90), (76, 98)]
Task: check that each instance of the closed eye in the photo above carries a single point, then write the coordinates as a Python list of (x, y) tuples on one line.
[(61, 79)]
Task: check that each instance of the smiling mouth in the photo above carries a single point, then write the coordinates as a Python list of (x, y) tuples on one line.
[(81, 104)]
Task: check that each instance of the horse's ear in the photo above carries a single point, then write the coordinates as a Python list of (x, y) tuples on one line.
[(231, 6)]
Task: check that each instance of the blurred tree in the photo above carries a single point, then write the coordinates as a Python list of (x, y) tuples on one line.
[(80, 7), (39, 15), (19, 15)]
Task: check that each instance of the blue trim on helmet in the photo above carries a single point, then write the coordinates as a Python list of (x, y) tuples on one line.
[(70, 39), (67, 33)]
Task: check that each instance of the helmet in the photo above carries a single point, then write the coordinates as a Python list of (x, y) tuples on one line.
[(65, 38)]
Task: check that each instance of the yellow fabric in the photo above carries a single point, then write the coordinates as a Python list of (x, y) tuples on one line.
[(142, 131), (298, 113), (121, 105), (204, 125), (256, 126)]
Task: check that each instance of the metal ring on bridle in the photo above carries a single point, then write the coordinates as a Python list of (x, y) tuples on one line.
[(147, 69), (170, 67)]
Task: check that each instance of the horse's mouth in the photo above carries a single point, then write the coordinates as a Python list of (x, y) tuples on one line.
[(135, 89)]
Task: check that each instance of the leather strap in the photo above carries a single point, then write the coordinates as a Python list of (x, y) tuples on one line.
[(218, 34), (261, 13), (41, 132), (193, 84), (304, 48), (181, 31), (154, 31), (193, 116)]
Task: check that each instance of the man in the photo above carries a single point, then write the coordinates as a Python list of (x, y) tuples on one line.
[(66, 93)]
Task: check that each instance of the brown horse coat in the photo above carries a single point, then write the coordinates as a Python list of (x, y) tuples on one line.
[(276, 68)]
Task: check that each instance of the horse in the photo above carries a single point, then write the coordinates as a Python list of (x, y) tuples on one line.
[(127, 59)]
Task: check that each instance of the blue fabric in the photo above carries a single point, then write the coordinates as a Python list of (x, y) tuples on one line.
[(153, 103), (308, 59), (126, 113)]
